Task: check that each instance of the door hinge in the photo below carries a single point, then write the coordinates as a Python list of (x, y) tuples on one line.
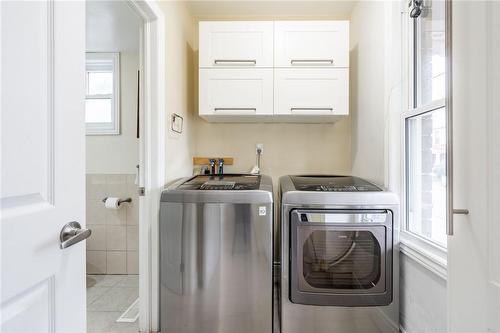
[(142, 191)]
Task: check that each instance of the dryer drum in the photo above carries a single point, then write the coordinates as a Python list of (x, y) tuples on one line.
[(340, 260)]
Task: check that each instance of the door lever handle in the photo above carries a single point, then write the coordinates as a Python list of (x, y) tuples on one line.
[(73, 233)]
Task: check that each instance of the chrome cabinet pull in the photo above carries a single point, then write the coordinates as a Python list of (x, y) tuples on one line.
[(235, 62), (239, 110), (309, 110), (312, 61), (73, 233)]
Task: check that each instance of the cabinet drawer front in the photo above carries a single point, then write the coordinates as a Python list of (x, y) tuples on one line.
[(311, 91), (236, 44), (236, 91), (311, 44)]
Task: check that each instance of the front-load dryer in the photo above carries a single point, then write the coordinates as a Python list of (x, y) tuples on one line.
[(339, 264)]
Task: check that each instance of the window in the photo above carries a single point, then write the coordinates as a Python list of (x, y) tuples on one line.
[(102, 94), (425, 123)]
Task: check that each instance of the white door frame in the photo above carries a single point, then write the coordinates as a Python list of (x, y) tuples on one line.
[(151, 156)]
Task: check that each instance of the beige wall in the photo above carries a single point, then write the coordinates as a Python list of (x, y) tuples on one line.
[(288, 148), (179, 30), (368, 94)]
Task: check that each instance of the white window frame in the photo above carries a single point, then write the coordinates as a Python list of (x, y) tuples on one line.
[(430, 254), (93, 60)]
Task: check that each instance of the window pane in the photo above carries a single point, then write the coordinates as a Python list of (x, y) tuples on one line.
[(426, 175), (99, 83), (430, 53), (98, 110)]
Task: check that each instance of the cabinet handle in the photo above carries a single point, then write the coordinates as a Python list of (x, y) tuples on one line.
[(234, 62), (310, 110), (235, 110), (312, 61)]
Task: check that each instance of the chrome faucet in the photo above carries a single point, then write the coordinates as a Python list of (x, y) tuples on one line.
[(212, 166), (221, 166)]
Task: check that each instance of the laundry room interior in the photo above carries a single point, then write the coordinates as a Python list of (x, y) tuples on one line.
[(235, 166)]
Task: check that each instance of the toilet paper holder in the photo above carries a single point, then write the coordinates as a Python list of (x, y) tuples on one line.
[(119, 201)]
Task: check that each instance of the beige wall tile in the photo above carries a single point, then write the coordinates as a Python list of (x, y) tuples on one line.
[(96, 213), (116, 217), (96, 262), (116, 262), (132, 262), (96, 186), (131, 186), (97, 240), (133, 212), (116, 185), (107, 245), (116, 238), (132, 238)]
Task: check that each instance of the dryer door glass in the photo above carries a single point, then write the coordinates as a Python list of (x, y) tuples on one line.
[(340, 259)]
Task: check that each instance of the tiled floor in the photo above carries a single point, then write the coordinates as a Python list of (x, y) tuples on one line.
[(108, 296)]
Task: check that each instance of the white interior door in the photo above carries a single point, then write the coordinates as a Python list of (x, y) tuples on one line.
[(42, 162), (474, 249)]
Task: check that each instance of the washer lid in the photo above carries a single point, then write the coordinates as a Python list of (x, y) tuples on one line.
[(332, 183), (226, 182)]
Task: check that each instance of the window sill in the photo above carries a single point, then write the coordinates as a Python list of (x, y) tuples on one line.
[(428, 255)]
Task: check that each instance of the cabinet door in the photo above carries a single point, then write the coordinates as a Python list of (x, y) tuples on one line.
[(233, 92), (243, 43), (311, 91), (311, 43)]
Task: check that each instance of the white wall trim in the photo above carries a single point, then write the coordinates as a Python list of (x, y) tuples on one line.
[(152, 157), (431, 261)]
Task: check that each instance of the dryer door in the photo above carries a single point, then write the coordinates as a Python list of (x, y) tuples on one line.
[(341, 258)]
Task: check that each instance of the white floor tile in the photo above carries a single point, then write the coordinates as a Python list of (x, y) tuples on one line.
[(108, 296)]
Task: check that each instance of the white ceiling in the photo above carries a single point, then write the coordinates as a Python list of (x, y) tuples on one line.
[(112, 26), (206, 9)]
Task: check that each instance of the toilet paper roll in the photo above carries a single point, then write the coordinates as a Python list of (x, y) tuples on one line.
[(111, 203)]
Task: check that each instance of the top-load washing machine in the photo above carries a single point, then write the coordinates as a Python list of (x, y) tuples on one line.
[(339, 263), (216, 261)]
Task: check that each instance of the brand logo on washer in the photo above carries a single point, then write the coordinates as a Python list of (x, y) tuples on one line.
[(262, 211)]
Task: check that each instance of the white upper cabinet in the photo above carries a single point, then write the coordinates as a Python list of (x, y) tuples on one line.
[(284, 71), (236, 92), (311, 91), (311, 43), (236, 43)]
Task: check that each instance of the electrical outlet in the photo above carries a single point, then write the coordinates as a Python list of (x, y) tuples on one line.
[(259, 146)]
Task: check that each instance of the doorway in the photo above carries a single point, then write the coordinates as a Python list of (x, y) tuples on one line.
[(125, 162), (112, 100)]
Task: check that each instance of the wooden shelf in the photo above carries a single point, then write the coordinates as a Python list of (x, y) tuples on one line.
[(206, 160)]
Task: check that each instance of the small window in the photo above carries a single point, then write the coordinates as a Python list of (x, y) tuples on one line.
[(425, 123), (102, 94)]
